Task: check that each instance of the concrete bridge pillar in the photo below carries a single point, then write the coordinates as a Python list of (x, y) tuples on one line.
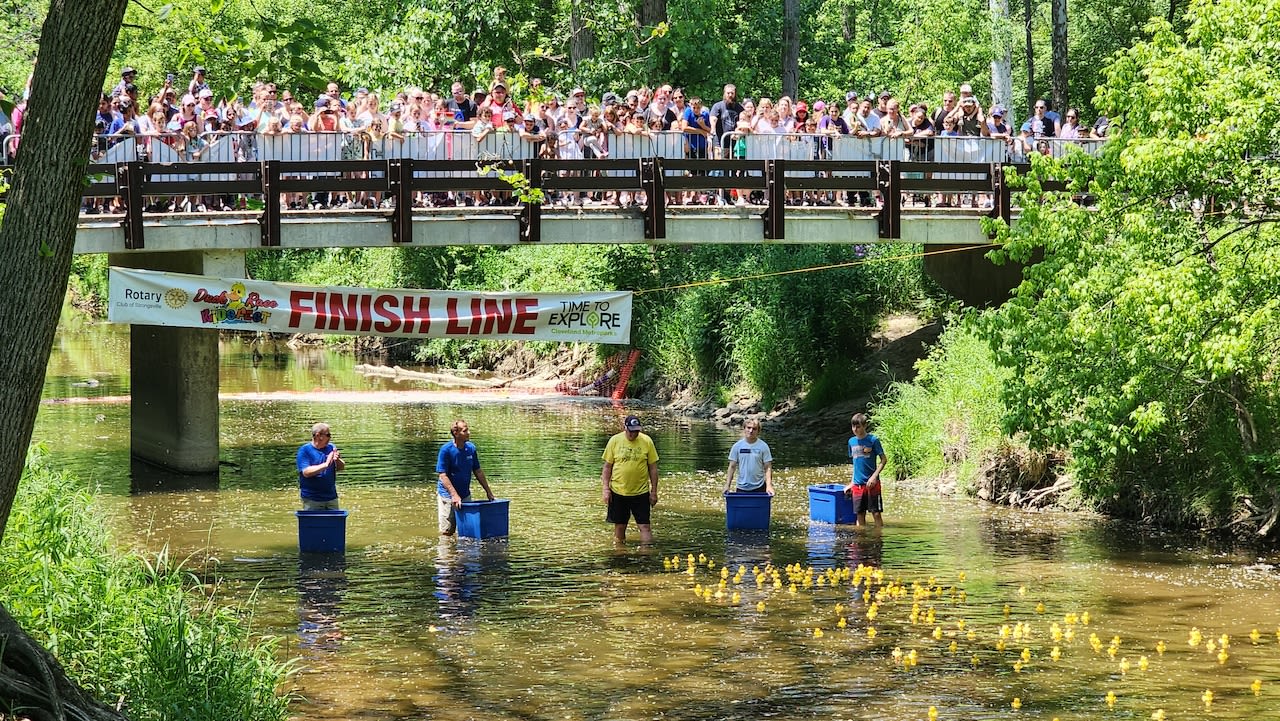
[(970, 277), (174, 373)]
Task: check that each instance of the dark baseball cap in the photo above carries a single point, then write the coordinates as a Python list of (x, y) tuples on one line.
[(631, 423)]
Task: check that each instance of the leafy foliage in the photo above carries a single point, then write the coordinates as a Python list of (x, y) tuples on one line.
[(1146, 340), (125, 628)]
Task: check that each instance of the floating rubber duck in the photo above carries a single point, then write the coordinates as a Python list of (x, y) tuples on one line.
[(1040, 607), (1222, 656), (760, 607), (1160, 648), (1056, 653), (1084, 619), (1016, 704), (841, 623), (737, 597), (1026, 655), (839, 609), (1157, 715), (1022, 590), (1111, 699), (1007, 610), (817, 633), (937, 633), (962, 576), (1124, 666), (1017, 666), (1055, 632), (1000, 644), (953, 647), (971, 635), (1069, 635), (1255, 636), (702, 559), (1207, 697), (897, 654), (959, 624), (975, 660), (1194, 637), (1143, 663), (933, 713), (1256, 687), (871, 633)]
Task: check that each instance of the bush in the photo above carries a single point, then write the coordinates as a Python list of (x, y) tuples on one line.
[(950, 416), (124, 628)]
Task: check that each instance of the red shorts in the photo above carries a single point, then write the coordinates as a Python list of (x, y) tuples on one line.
[(867, 499)]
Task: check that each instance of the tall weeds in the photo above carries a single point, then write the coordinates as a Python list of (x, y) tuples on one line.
[(950, 416), (127, 630)]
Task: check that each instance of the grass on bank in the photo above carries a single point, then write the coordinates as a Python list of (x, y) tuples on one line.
[(128, 630), (948, 418)]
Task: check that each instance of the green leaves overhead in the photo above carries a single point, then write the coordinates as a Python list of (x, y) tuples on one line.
[(1148, 339)]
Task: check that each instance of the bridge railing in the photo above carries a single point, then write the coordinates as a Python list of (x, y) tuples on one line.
[(402, 183)]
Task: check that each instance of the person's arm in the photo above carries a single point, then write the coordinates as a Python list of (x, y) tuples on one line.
[(768, 477), (334, 457), (653, 483), (443, 476), (728, 476), (874, 480), (606, 476), (484, 483)]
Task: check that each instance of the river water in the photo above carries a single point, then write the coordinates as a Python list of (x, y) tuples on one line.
[(555, 623)]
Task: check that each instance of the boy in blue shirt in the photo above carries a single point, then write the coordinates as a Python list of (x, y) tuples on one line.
[(868, 459), (457, 462)]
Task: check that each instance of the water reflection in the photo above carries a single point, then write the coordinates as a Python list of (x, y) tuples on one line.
[(555, 623), (321, 585)]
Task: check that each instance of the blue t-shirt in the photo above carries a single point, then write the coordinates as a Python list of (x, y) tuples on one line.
[(864, 452), (702, 121), (459, 464), (324, 485)]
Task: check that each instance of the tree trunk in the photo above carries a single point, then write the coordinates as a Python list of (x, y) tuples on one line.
[(1002, 55), (790, 47), (849, 21), (38, 233), (39, 227), (1027, 15), (34, 684), (652, 14), (1060, 99), (582, 39)]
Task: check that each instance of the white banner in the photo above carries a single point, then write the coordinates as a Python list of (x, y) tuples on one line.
[(195, 301)]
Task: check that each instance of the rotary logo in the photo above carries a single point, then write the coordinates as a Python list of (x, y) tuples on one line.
[(175, 298)]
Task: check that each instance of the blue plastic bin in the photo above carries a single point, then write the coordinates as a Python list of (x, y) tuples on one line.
[(484, 519), (748, 511), (829, 504), (322, 531)]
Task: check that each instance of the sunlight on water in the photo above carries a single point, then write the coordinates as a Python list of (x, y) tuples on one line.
[(554, 623)]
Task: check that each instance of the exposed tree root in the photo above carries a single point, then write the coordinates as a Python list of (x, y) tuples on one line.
[(34, 686)]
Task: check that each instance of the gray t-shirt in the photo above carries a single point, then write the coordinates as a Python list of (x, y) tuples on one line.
[(751, 458)]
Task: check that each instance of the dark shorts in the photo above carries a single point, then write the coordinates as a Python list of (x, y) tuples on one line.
[(867, 500), (759, 489), (622, 508)]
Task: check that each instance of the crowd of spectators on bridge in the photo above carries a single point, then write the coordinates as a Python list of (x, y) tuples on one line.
[(189, 118)]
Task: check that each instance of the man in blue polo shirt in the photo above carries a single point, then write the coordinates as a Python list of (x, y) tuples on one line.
[(318, 464), (457, 462)]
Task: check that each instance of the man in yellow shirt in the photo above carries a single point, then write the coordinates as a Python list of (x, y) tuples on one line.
[(630, 480)]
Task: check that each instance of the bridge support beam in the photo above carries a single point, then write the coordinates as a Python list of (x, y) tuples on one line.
[(970, 277), (174, 373)]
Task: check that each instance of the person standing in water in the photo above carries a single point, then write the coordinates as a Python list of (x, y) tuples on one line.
[(752, 462), (318, 464), (868, 459), (630, 480)]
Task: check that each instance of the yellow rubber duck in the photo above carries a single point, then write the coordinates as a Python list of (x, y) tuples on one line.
[(841, 623), (1124, 666), (1084, 619), (1040, 607), (937, 633), (1160, 648), (1056, 653), (871, 633), (971, 635), (1255, 636), (839, 609), (933, 713), (1017, 666), (1194, 637), (953, 647), (1157, 715), (1026, 655), (1256, 687), (962, 576), (1111, 699), (1143, 663), (737, 597), (1017, 703), (1007, 610), (760, 607), (975, 660), (1223, 656), (1207, 697), (1022, 590), (817, 633)]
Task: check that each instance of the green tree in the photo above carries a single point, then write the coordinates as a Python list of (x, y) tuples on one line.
[(1146, 340)]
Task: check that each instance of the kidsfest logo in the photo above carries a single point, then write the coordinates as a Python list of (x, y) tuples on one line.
[(233, 306), (585, 317)]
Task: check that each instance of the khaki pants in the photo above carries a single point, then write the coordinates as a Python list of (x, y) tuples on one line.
[(309, 505), (446, 516)]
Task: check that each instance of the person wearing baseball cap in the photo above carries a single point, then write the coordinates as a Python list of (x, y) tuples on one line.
[(630, 480)]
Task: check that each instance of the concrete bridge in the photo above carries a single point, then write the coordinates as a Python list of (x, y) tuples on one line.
[(175, 370)]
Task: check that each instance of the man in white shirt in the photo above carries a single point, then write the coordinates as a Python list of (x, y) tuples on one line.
[(752, 462)]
